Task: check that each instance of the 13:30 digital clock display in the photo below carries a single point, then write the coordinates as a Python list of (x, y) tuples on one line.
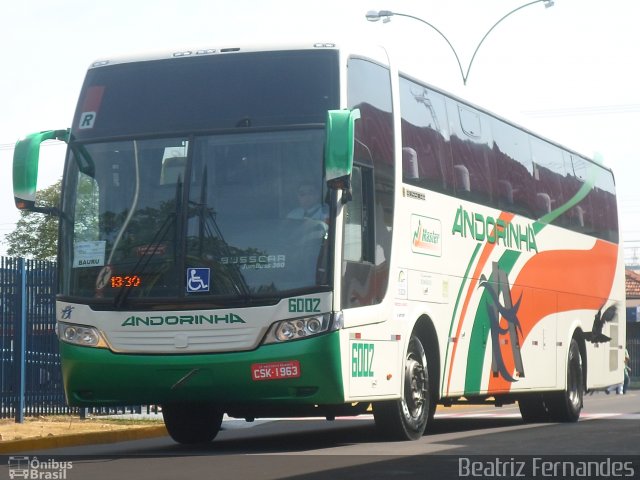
[(128, 281)]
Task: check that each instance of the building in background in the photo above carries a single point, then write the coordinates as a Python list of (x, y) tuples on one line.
[(632, 284)]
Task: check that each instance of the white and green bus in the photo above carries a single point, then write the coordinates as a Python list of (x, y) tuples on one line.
[(446, 256)]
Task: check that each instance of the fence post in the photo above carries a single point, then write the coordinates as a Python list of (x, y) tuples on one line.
[(22, 340)]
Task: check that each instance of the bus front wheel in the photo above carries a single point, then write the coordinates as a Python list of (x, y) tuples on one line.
[(191, 423), (407, 418)]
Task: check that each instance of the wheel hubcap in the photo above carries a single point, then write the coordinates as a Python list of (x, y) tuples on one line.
[(415, 387)]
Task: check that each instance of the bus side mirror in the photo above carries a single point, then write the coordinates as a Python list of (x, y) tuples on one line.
[(25, 167), (338, 151)]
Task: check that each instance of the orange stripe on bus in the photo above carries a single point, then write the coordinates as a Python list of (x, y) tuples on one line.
[(587, 274)]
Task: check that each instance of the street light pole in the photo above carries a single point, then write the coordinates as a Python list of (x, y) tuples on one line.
[(386, 15)]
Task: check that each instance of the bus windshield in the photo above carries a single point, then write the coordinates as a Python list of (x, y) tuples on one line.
[(228, 216)]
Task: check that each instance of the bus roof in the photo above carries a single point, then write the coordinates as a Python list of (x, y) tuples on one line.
[(376, 52), (209, 50)]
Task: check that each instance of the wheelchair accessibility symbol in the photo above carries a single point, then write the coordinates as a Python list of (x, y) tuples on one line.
[(198, 279)]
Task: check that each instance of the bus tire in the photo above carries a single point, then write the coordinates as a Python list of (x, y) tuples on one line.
[(407, 418), (533, 408), (565, 406), (191, 423)]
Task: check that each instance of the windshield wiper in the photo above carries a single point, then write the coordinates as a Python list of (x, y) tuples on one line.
[(148, 253), (207, 215)]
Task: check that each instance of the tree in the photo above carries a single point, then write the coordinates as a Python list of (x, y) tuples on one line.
[(36, 234)]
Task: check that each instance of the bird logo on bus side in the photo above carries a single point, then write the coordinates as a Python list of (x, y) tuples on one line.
[(595, 335), (498, 287)]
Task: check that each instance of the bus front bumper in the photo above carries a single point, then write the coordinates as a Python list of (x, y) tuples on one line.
[(99, 377)]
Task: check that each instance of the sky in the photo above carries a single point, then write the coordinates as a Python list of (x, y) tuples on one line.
[(569, 72)]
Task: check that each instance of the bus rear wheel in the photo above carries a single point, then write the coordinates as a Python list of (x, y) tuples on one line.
[(407, 418), (533, 408), (191, 423), (565, 406)]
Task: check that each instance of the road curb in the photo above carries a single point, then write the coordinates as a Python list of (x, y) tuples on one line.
[(75, 439)]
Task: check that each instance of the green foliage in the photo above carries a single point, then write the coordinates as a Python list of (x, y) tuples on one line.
[(36, 234)]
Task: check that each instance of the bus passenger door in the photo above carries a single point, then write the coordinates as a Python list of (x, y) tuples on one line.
[(358, 251)]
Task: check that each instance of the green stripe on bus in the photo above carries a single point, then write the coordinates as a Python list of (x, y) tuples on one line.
[(455, 313), (480, 332)]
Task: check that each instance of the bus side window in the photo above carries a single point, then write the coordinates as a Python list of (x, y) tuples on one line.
[(512, 158), (605, 218), (472, 154), (548, 175), (579, 217), (425, 154)]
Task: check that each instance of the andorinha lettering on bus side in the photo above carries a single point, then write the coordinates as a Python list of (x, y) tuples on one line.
[(486, 228)]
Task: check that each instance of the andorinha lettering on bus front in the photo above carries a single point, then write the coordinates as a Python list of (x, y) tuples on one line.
[(514, 236), (157, 320)]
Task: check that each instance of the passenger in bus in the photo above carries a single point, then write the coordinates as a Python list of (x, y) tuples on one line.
[(543, 203), (410, 164), (505, 192), (462, 179), (309, 204)]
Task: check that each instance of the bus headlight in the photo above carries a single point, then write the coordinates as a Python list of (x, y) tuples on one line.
[(80, 335), (298, 328)]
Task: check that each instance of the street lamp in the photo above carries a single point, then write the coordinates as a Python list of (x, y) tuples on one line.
[(386, 15)]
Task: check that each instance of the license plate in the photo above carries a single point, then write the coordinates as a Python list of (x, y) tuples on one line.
[(275, 370)]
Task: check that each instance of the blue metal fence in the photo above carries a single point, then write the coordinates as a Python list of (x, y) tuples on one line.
[(30, 375)]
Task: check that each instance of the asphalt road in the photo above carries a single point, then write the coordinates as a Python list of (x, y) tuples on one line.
[(465, 442)]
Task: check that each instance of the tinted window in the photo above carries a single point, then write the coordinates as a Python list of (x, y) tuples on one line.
[(246, 208), (607, 228), (590, 196), (426, 157), (548, 173), (369, 89), (473, 166), (206, 93), (580, 216), (512, 155)]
